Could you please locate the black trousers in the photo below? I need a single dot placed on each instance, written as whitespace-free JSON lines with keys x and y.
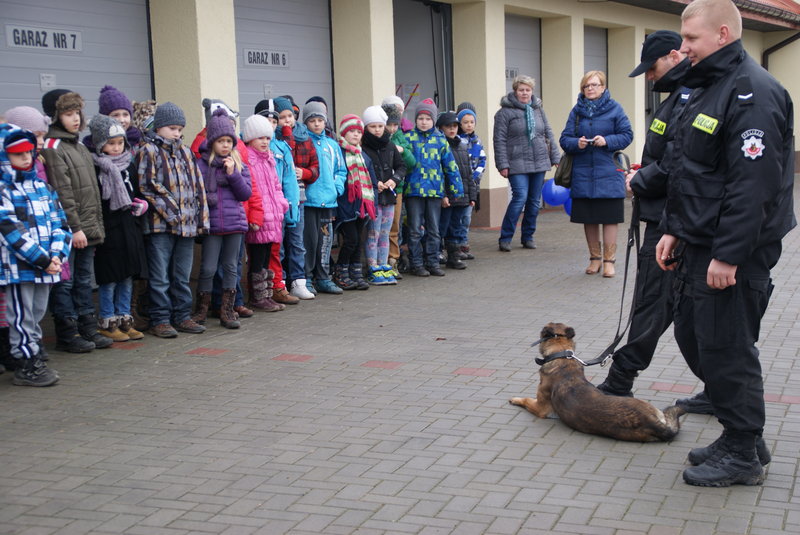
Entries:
{"x":351,"y":231}
{"x":315,"y":219}
{"x":717,"y":330}
{"x":653,"y":313}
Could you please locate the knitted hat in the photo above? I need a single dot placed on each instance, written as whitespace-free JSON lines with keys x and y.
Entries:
{"x":350,"y":122}
{"x":212,"y":104}
{"x":466,"y":111}
{"x":220,"y":125}
{"x":143,"y":113}
{"x":318,"y":99}
{"x":49,"y":101}
{"x":256,"y":126}
{"x":393,"y":114}
{"x":28,"y":118}
{"x":446,"y":118}
{"x":295,"y":107}
{"x":267,"y":109}
{"x":103,"y":129}
{"x":374,"y":114}
{"x":393,"y":100}
{"x":168,"y":114}
{"x":111,"y":99}
{"x":314,"y":108}
{"x":282,"y":104}
{"x":465,"y":106}
{"x":427,"y":106}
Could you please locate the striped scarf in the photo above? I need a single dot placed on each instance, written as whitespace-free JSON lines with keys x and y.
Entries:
{"x":359,"y":183}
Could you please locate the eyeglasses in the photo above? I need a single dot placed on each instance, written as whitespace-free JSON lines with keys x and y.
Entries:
{"x":593,"y":86}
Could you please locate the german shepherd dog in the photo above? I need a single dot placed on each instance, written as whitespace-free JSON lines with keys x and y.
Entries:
{"x":565,"y":392}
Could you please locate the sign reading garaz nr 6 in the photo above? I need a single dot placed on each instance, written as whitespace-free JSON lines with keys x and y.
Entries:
{"x":43,"y":38}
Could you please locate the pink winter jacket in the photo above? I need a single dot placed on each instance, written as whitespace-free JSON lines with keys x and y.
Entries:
{"x":268,"y":216}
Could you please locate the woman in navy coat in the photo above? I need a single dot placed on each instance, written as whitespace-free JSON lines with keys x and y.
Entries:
{"x":596,"y":128}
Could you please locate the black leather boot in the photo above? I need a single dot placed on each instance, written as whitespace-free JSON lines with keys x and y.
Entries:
{"x":87,"y":326}
{"x":618,"y":382}
{"x":733,"y":463}
{"x":453,"y":260}
{"x":701,"y":455}
{"x":68,"y":338}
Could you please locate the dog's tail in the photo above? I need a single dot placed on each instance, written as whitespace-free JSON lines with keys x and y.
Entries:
{"x":672,"y":425}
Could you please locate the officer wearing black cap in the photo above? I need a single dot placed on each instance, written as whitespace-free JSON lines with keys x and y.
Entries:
{"x":729,"y":205}
{"x":664,"y":64}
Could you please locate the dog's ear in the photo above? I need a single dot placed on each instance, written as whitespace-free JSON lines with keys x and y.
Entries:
{"x":547,"y":331}
{"x":569,"y":333}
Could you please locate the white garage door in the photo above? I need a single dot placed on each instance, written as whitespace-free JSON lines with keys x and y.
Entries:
{"x":523,"y":49}
{"x":80,"y":45}
{"x":283,"y":48}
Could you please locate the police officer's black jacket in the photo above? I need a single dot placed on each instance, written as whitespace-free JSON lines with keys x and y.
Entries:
{"x":650,"y":182}
{"x":730,"y":186}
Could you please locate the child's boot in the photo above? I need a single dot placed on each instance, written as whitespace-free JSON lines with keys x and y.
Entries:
{"x":453,"y":260}
{"x":34,"y":372}
{"x":109,"y":327}
{"x":260,"y":291}
{"x":68,"y":338}
{"x":466,"y":254}
{"x":87,"y":326}
{"x":341,"y":276}
{"x":201,"y":307}
{"x":357,"y":275}
{"x":228,"y":317}
{"x":126,"y":325}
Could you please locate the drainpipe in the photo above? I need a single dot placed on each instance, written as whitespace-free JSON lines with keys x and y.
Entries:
{"x":768,"y":52}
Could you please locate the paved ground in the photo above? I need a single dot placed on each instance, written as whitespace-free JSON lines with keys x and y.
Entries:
{"x":385,"y":412}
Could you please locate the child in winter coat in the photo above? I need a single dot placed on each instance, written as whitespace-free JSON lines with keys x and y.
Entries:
{"x":32,"y":120}
{"x":390,"y":171}
{"x":307,"y":171}
{"x":452,"y":224}
{"x":121,"y":256}
{"x":321,"y":198}
{"x":265,"y":210}
{"x":34,"y":242}
{"x":70,"y":170}
{"x":356,"y":204}
{"x":394,"y":107}
{"x":426,"y":189}
{"x":172,"y":185}
{"x":467,"y":119}
{"x":227,"y":184}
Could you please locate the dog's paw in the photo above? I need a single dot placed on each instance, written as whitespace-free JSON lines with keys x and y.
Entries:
{"x":515,"y":401}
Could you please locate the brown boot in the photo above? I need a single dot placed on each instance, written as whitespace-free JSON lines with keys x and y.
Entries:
{"x":282,"y":295}
{"x":201,"y":307}
{"x":594,"y":259}
{"x":261,"y":291}
{"x":609,"y":257}
{"x":126,"y":326}
{"x":109,"y":327}
{"x":228,"y":317}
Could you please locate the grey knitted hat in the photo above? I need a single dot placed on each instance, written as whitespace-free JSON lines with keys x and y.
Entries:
{"x":168,"y":114}
{"x":104,"y":128}
{"x":427,"y":106}
{"x":314,"y":109}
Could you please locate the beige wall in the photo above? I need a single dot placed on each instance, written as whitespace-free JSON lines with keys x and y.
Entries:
{"x":363,"y":53}
{"x":194,"y":55}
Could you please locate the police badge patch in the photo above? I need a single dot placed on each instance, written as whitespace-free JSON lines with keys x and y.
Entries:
{"x":753,"y":147}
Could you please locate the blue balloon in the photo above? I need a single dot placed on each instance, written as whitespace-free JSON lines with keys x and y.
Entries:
{"x":553,"y":194}
{"x":568,"y":206}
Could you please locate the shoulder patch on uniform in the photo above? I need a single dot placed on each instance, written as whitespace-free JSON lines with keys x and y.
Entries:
{"x":705,"y":123}
{"x":753,"y":146}
{"x":52,"y":143}
{"x":658,"y":126}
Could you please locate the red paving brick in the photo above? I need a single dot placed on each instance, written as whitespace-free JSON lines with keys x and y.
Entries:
{"x":293,"y":358}
{"x":477,"y":372}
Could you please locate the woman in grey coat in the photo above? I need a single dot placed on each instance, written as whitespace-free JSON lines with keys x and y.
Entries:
{"x":524,"y":149}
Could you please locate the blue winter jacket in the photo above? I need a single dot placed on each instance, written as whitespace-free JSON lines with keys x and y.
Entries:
{"x":284,"y":163}
{"x":594,"y":173}
{"x":322,"y":193}
{"x":436,"y":168}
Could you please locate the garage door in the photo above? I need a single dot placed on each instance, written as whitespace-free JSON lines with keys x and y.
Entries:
{"x":523,"y":49}
{"x":283,"y":47}
{"x":80,"y":45}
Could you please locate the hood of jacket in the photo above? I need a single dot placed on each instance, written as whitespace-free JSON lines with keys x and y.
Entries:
{"x":510,"y":101}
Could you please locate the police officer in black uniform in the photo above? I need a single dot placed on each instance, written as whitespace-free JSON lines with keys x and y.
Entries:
{"x":665,"y":65}
{"x":729,"y":205}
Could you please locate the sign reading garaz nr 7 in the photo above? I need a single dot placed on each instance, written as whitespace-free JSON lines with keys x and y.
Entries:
{"x":43,"y":38}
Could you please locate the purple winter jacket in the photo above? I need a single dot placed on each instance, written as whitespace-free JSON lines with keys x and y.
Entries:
{"x":225,"y":194}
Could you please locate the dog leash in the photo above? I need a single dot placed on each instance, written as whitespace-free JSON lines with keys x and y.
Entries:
{"x":624,"y":163}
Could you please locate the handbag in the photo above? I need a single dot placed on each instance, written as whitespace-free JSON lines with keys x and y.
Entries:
{"x":563,"y":176}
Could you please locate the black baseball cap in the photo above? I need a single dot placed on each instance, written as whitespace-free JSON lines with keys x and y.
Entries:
{"x":657,"y":44}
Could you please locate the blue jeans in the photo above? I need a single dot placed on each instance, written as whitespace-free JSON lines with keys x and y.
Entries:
{"x":451,"y":224}
{"x":466,"y":221}
{"x":169,"y":258}
{"x":293,"y":252}
{"x":115,"y":298}
{"x":423,"y":211}
{"x":72,"y":298}
{"x":525,"y":192}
